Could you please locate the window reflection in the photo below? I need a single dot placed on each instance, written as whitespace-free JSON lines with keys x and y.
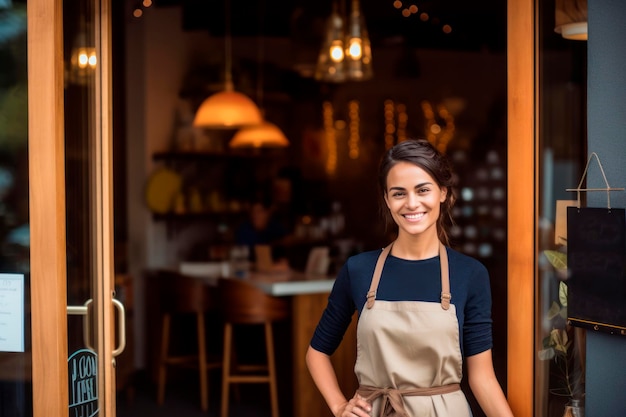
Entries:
{"x":15,"y":387}
{"x":561,"y":115}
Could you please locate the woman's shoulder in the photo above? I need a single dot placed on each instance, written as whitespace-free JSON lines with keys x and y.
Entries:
{"x":464,"y":261}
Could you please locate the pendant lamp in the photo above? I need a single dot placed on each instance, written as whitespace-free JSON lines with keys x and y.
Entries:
{"x":570,"y":19}
{"x":227,"y":109}
{"x":330,"y":61}
{"x":263,"y":134}
{"x":358,"y":59}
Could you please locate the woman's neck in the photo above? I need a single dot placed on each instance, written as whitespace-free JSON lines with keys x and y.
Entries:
{"x":415,"y":247}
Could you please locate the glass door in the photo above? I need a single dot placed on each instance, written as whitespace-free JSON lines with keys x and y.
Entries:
{"x":96,"y":333}
{"x":57,"y":301}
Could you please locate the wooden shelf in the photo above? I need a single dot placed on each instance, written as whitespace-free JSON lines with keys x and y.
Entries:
{"x":189,"y":156}
{"x":205,"y":215}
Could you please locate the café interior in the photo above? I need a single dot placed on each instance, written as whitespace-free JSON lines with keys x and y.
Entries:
{"x":189,"y":180}
{"x":323,"y":183}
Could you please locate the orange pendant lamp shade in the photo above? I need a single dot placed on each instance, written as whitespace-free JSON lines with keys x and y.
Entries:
{"x":263,"y":135}
{"x":227,"y":109}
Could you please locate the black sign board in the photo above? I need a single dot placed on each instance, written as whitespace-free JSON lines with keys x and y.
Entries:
{"x":596,"y":261}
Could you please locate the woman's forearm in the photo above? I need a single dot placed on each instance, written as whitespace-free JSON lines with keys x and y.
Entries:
{"x":325,"y":379}
{"x":485,"y":386}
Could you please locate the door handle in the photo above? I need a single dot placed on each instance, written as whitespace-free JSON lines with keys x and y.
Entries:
{"x":121,"y":327}
{"x":82,"y":311}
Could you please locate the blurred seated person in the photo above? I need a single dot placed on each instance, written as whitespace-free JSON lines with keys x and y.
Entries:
{"x":263,"y":228}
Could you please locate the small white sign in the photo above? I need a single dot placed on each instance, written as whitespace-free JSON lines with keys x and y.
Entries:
{"x":11,"y":312}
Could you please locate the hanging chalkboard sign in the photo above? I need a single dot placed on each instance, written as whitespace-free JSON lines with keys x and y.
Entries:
{"x":596,"y":260}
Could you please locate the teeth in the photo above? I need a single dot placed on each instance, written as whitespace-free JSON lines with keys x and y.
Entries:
{"x":414,"y":216}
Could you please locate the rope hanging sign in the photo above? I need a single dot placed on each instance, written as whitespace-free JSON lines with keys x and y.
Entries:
{"x":608,"y":188}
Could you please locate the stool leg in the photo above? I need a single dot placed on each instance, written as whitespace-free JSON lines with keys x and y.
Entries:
{"x":202,"y":362}
{"x":228,"y":334}
{"x":271,"y":367}
{"x":165,"y":339}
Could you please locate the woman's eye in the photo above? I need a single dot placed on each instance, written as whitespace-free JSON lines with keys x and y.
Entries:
{"x":398,"y":194}
{"x":423,"y":190}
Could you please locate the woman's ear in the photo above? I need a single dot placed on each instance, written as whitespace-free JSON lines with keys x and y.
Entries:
{"x":386,"y":199}
{"x":444,"y":194}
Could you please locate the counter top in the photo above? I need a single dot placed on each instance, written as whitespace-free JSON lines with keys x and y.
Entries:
{"x":291,"y":283}
{"x":280,"y":283}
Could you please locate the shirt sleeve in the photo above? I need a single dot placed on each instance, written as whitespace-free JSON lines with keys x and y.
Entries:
{"x":336,"y":316}
{"x":477,"y":328}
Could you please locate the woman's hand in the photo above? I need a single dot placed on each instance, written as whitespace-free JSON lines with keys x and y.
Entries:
{"x":357,"y":406}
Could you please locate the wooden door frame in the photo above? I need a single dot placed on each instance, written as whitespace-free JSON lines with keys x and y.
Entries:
{"x":47,"y":210}
{"x":522,"y":202}
{"x":47,"y":207}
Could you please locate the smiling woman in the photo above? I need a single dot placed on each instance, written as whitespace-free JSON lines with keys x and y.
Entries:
{"x":417,"y":322}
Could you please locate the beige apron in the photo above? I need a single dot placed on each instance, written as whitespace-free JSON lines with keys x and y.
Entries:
{"x":408,"y":356}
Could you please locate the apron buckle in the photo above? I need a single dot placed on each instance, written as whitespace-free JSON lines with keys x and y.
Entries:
{"x":445,"y":300}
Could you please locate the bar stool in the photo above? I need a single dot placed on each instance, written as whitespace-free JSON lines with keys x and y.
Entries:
{"x":244,"y":304}
{"x":183,"y":296}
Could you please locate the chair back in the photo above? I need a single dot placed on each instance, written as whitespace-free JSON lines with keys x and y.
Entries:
{"x":242,"y":302}
{"x":180,"y":293}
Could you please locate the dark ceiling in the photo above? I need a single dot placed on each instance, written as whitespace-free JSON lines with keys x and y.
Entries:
{"x":475,"y":25}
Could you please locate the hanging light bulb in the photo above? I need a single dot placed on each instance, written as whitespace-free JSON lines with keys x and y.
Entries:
{"x":358,"y":49}
{"x":83,"y":58}
{"x":330,"y":63}
{"x":227,"y":109}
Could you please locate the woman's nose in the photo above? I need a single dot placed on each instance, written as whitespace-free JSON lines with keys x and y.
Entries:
{"x":412,"y":201}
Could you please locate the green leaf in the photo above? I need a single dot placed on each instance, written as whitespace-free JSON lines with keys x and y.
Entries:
{"x":557,"y":259}
{"x":555,"y":309}
{"x":563,"y":293}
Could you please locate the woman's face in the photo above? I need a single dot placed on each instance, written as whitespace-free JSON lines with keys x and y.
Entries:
{"x":413,"y":198}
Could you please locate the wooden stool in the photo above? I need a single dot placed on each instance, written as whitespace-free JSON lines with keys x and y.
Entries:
{"x":243,"y":303}
{"x":181,"y":296}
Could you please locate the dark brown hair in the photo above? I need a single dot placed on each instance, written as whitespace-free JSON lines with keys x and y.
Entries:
{"x":423,"y":154}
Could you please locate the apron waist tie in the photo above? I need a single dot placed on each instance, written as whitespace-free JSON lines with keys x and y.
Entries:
{"x":393,"y":405}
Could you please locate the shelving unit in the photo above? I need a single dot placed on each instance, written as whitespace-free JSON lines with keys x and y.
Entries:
{"x":223,"y":184}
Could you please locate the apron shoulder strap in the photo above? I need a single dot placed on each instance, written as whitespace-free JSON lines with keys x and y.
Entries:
{"x":445,"y":277}
{"x":371,"y":294}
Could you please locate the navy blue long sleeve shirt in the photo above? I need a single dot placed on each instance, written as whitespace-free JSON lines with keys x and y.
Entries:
{"x":410,"y":280}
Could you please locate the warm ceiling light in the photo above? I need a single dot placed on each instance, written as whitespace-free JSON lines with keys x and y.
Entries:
{"x":227,"y":109}
{"x":263,"y":135}
{"x":358,"y":49}
{"x":83,"y":59}
{"x":331,"y":58}
{"x":345,"y":57}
